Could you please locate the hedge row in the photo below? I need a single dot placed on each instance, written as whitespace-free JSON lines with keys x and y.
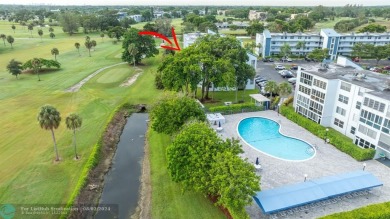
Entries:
{"x":236,"y":108}
{"x":376,"y":211}
{"x":340,"y":141}
{"x":93,"y":160}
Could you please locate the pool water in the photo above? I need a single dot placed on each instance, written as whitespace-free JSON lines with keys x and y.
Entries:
{"x":263,"y":134}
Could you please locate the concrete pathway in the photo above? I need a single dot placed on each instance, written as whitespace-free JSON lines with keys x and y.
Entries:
{"x":327,"y":161}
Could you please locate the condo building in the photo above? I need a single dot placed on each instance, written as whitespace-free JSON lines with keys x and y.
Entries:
{"x":336,"y":43}
{"x":354,"y":102}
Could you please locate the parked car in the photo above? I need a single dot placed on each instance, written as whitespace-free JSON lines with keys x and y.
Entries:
{"x":386,"y":67}
{"x":307,"y":59}
{"x":292,"y":80}
{"x":287,"y":74}
{"x":289,"y":60}
{"x":373,"y":68}
{"x":284,"y":59}
{"x":263,"y":83}
{"x":279,"y":67}
{"x":260,"y":80}
{"x":270,"y":60}
{"x":265,"y":59}
{"x":294,"y":67}
{"x":356,"y":59}
{"x":282,"y":71}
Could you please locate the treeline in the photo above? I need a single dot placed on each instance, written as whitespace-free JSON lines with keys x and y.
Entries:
{"x":348,"y":25}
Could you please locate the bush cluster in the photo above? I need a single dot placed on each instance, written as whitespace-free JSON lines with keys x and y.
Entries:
{"x":340,"y":141}
{"x":236,"y":108}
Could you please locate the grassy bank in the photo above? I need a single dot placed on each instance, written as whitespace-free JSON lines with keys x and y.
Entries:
{"x":168,"y":201}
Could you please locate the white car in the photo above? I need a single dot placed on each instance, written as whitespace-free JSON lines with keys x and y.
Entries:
{"x":289,"y":60}
{"x":292,"y":80}
{"x":279,"y":67}
{"x":282,"y":71}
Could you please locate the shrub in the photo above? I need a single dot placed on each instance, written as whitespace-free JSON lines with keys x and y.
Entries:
{"x":236,"y":108}
{"x":340,"y":141}
{"x":288,"y":101}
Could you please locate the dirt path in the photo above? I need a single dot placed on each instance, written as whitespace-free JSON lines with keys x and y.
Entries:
{"x":77,"y":86}
{"x":133,"y":78}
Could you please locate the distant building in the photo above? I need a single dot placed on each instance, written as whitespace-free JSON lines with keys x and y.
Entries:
{"x":239,"y":24}
{"x":190,"y":38}
{"x":336,"y":43}
{"x":293,"y":16}
{"x":352,"y":101}
{"x":121,"y":15}
{"x":136,"y":17}
{"x":257,"y":15}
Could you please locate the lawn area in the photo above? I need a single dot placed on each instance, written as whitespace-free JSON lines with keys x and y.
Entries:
{"x":176,"y":23}
{"x":28,"y":174}
{"x":327,"y":24}
{"x":378,"y":20}
{"x":168,"y":201}
{"x":232,"y":32}
{"x":219,"y":97}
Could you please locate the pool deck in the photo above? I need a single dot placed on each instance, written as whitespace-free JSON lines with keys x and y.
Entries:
{"x":327,"y":161}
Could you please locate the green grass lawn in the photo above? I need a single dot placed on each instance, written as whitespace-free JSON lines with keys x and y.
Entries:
{"x":168,"y":201}
{"x":176,"y":23}
{"x":28,"y":173}
{"x":327,"y":24}
{"x":219,"y":97}
{"x":378,"y":20}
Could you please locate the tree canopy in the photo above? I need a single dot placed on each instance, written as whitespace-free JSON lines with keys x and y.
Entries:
{"x":69,"y":22}
{"x":42,"y":63}
{"x":145,"y":46}
{"x":170,"y":113}
{"x":14,"y":67}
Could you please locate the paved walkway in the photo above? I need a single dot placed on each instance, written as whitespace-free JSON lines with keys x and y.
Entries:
{"x":327,"y":161}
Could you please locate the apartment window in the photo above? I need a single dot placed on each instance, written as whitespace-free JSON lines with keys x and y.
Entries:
{"x":338,"y":123}
{"x":303,"y":101}
{"x":304,"y":89}
{"x":363,"y":143}
{"x":319,"y":83}
{"x":306,"y":78}
{"x":373,"y":104}
{"x":340,"y":111}
{"x":273,"y":42}
{"x":343,"y":99}
{"x":291,"y":37}
{"x":379,"y":38}
{"x":353,"y":130}
{"x":386,"y":126}
{"x":361,"y":37}
{"x":370,"y":119}
{"x":358,"y":105}
{"x":367,"y":131}
{"x":345,"y":86}
{"x":316,"y":107}
{"x":317,"y":95}
{"x":309,"y":37}
{"x":369,"y":37}
{"x":299,"y":38}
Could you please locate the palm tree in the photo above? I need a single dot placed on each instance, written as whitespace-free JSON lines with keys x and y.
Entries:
{"x":51,"y":30}
{"x":271,"y":87}
{"x":36,"y":64}
{"x":73,"y":122}
{"x":285,"y":50}
{"x":77,"y":45}
{"x":10,"y":40}
{"x":40,"y":33}
{"x":49,"y":119}
{"x":52,"y":35}
{"x":133,"y":51}
{"x":13,"y":27}
{"x":4,"y":37}
{"x":30,"y":28}
{"x":55,"y":52}
{"x":88,"y":44}
{"x":301,"y":45}
{"x":93,"y":44}
{"x":284,"y":89}
{"x":102,"y":36}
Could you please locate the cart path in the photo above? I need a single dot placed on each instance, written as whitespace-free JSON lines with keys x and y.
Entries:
{"x":77,"y":86}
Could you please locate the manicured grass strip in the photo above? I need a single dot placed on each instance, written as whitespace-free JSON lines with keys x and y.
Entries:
{"x":340,"y":141}
{"x":168,"y":201}
{"x":219,"y":97}
{"x":377,"y":211}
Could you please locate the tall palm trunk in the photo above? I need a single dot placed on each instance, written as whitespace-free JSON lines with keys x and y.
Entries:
{"x":89,"y":51}
{"x":79,"y":52}
{"x":39,"y":78}
{"x":134,"y":61}
{"x":74,"y":143}
{"x":55,"y":144}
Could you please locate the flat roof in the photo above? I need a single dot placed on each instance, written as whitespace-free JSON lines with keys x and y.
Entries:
{"x":259,"y":97}
{"x":377,"y":82}
{"x":290,"y":196}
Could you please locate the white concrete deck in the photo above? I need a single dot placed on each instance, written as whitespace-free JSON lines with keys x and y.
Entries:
{"x":327,"y":161}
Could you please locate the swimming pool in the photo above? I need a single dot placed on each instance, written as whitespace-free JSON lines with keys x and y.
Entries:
{"x":263,"y":134}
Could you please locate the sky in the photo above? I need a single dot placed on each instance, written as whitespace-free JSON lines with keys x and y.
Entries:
{"x":203,"y":2}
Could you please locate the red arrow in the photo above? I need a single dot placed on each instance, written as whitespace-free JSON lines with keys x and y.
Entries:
{"x":159,"y":35}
